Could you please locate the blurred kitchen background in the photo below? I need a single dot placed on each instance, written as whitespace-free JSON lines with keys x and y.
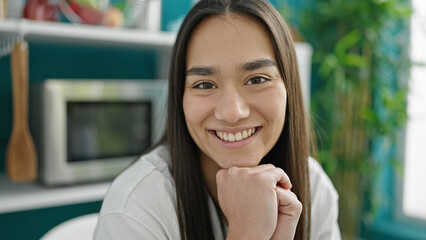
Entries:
{"x":363,"y":64}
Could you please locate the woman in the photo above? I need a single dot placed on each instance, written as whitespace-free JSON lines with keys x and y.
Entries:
{"x":234,"y":162}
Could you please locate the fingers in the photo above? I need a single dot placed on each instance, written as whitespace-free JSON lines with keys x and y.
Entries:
{"x":278,"y":175}
{"x":288,"y":204}
{"x":289,"y":210}
{"x":248,"y":199}
{"x":281,"y":177}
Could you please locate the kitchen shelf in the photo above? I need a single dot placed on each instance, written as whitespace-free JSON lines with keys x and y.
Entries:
{"x":161,"y":42}
{"x":85,"y":34}
{"x":11,"y":30}
{"x":27,"y":196}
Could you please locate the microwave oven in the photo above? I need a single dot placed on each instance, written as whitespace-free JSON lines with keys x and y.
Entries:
{"x":90,"y":130}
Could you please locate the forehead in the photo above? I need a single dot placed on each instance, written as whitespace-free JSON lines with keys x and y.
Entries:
{"x":232,"y":37}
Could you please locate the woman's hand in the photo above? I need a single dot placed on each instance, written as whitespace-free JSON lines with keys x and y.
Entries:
{"x":251,"y":203}
{"x":289,"y":210}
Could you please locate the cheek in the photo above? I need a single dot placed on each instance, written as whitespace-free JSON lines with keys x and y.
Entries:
{"x":196,"y":109}
{"x":188,"y":110}
{"x":272,"y":106}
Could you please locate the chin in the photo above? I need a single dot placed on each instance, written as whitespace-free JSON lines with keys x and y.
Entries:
{"x":247,"y":161}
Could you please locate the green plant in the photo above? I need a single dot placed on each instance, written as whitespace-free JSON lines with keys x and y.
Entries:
{"x":358,"y":97}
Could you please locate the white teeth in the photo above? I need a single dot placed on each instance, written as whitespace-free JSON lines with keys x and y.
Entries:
{"x":231,"y":137}
{"x":225,"y":137}
{"x":238,"y":136}
{"x":251,"y":131}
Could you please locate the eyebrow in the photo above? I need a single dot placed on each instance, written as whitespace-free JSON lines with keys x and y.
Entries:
{"x":202,"y":71}
{"x":258,"y":63}
{"x":249,"y":66}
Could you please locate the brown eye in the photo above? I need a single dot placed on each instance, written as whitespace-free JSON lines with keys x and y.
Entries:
{"x":205,"y":85}
{"x":257,"y":80}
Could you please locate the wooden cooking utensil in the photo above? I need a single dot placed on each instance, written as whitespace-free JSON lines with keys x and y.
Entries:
{"x":21,"y":156}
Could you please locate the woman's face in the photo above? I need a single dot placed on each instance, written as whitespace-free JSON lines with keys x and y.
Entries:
{"x":234,"y":99}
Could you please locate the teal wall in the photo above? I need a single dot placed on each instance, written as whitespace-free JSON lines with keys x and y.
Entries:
{"x":33,"y":224}
{"x":61,"y":61}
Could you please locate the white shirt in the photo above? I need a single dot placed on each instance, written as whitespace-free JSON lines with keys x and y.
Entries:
{"x":141,"y":203}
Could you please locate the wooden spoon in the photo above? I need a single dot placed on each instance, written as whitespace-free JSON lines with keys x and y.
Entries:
{"x":21,"y":156}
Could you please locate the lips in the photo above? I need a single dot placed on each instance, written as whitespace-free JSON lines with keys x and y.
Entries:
{"x":235,"y":136}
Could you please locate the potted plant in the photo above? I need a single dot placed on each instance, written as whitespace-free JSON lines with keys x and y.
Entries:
{"x":358,"y":93}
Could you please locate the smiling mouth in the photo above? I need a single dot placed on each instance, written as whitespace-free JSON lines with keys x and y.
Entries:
{"x":237,"y":136}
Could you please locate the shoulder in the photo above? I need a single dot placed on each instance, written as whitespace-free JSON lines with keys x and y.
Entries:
{"x":324,"y":204}
{"x":145,"y":177}
{"x":134,"y":196}
{"x":319,"y":181}
{"x":143,"y":181}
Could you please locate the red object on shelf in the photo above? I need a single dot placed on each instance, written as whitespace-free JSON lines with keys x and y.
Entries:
{"x":90,"y":16}
{"x":40,"y":10}
{"x":74,"y":6}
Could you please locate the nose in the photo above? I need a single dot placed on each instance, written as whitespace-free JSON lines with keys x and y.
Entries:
{"x":231,"y":106}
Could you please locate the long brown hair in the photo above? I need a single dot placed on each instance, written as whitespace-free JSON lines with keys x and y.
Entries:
{"x":289,"y":153}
